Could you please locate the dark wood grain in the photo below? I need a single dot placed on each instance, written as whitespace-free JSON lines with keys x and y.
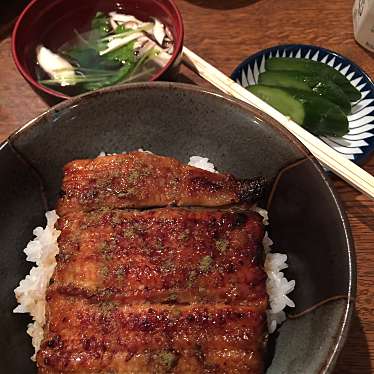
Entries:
{"x":224,"y":32}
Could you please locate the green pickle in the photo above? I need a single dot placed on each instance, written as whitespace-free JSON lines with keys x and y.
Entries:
{"x":307,"y":82}
{"x":307,"y":66}
{"x":314,"y":113}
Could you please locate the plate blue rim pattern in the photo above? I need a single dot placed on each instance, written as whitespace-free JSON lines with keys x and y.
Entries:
{"x":358,"y":144}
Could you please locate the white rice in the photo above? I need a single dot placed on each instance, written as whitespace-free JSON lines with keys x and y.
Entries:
{"x":202,"y":163}
{"x":43,"y":249}
{"x":277,"y":285}
{"x":30,"y":293}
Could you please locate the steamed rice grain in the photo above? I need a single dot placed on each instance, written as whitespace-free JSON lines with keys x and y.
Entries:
{"x":30,"y":293}
{"x":202,"y":163}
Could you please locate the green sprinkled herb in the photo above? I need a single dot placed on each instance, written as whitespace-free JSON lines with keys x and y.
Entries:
{"x":174,"y":183}
{"x":105,"y":292}
{"x":222,"y":245}
{"x":159,"y":245}
{"x":109,"y":257}
{"x":168,"y":359}
{"x":133,"y":176}
{"x":176,"y":313}
{"x":205,"y":264}
{"x":131,"y":191}
{"x":184,"y":235}
{"x":172,"y":297}
{"x":127,"y":193}
{"x":106,"y":251}
{"x":108,"y":306}
{"x":139,"y":228}
{"x":129,"y":232}
{"x":168,"y":266}
{"x":104,"y":247}
{"x":120,"y":272}
{"x":104,"y":271}
{"x":116,"y":219}
{"x":191,"y":278}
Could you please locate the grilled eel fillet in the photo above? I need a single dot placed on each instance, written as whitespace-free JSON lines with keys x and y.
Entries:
{"x":171,"y":290}
{"x":143,"y":180}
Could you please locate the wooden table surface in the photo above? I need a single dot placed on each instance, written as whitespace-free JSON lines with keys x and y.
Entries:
{"x":224,"y":32}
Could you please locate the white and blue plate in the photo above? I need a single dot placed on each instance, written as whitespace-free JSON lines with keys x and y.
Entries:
{"x":358,"y":144}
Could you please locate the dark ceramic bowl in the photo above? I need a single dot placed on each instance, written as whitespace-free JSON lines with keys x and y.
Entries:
{"x":52,"y":23}
{"x":307,"y":220}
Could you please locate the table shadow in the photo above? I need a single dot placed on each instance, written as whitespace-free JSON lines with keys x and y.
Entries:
{"x":363,"y":214}
{"x":181,"y":78}
{"x":360,"y":210}
{"x":222,"y":4}
{"x":369,"y":53}
{"x":355,"y":356}
{"x":9,"y":10}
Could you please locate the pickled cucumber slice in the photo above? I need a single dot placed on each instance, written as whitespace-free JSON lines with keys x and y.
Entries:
{"x":307,"y":82}
{"x":317,"y":115}
{"x":304,"y":65}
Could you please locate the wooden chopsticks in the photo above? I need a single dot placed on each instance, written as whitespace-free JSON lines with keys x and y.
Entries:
{"x":341,"y":166}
